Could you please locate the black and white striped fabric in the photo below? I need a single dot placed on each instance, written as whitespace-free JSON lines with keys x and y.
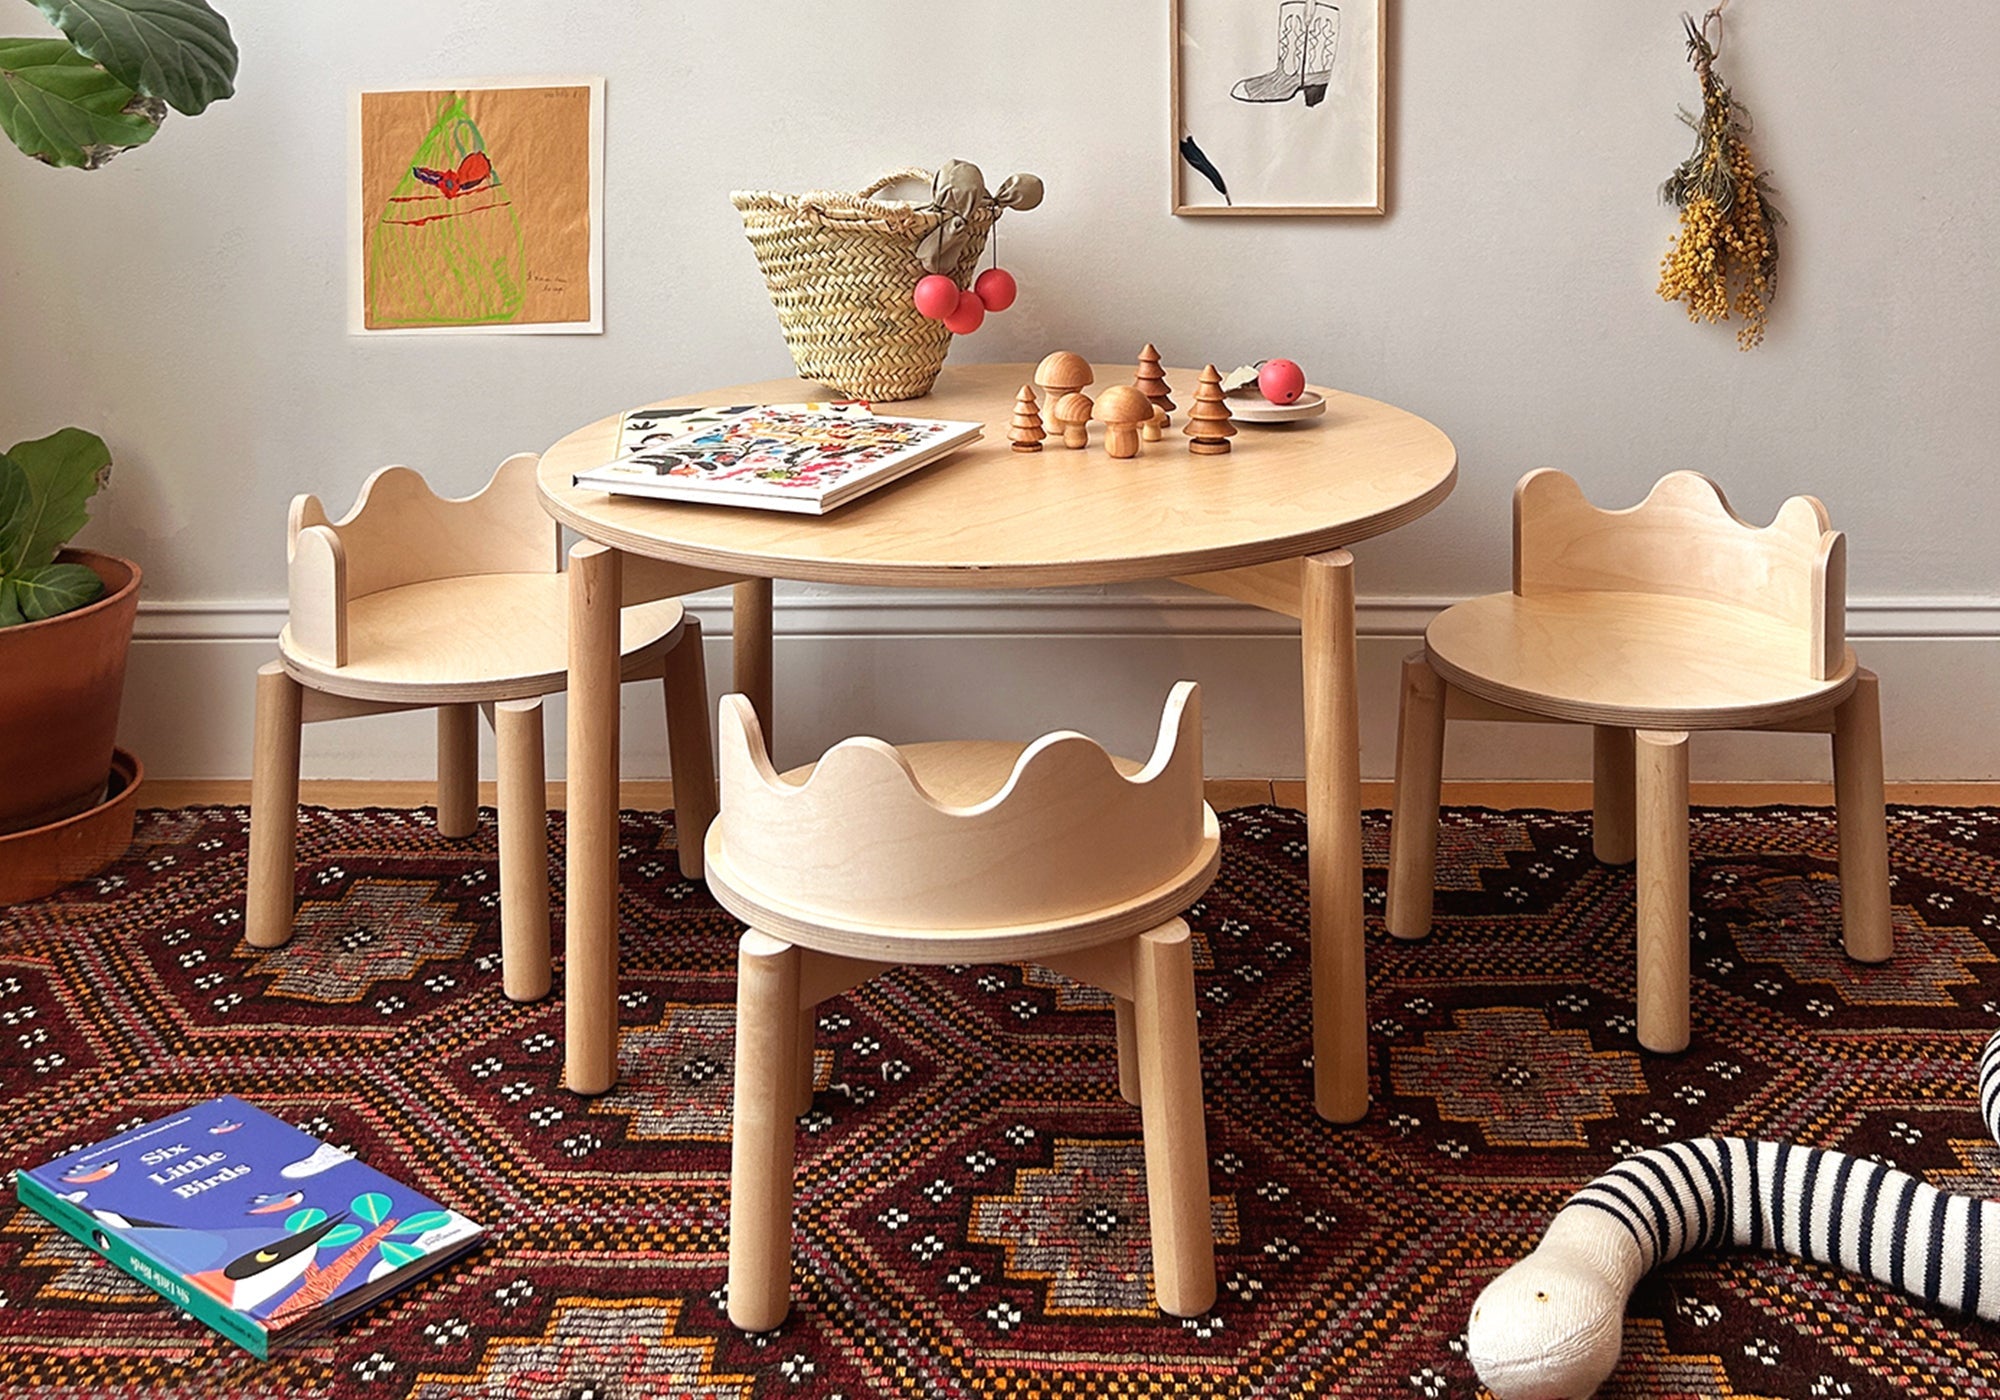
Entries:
{"x":1804,"y":1201}
{"x":1551,"y":1327}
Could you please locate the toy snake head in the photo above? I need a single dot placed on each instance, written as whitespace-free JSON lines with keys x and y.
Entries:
{"x":1552,"y":1327}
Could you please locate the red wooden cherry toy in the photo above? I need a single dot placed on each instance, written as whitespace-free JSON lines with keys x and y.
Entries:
{"x":1281,"y":381}
{"x":996,"y":289}
{"x":966,"y":316}
{"x":936,"y":296}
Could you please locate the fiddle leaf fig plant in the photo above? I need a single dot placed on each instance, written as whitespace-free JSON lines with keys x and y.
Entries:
{"x":45,"y":490}
{"x":106,"y":85}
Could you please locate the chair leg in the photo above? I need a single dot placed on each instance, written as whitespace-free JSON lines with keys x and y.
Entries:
{"x":808,"y":1033}
{"x":1413,"y":829}
{"x":1662,"y":791}
{"x":274,"y":810}
{"x":458,"y":770}
{"x":690,"y":749}
{"x":1864,"y":832}
{"x":1612,"y":795}
{"x":1129,"y":1087}
{"x":524,"y":850}
{"x":761,"y":1157}
{"x":1171,"y":1110}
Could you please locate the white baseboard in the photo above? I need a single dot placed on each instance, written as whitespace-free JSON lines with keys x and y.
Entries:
{"x":925,"y":665}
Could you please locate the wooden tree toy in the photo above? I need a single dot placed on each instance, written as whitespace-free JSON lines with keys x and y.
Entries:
{"x":1209,"y":427}
{"x":1026,"y":432}
{"x":1072,"y":415}
{"x":1122,"y":409}
{"x":1152,"y":382}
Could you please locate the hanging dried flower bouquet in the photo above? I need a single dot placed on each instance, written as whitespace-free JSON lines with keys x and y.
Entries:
{"x":1725,"y":256}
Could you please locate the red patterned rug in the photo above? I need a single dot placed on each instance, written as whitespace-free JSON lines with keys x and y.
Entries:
{"x":971,"y":1216}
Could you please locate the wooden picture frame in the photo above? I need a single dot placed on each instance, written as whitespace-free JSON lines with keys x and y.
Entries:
{"x":1330,"y":135}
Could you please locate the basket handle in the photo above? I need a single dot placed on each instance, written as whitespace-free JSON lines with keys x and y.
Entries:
{"x":882,"y":182}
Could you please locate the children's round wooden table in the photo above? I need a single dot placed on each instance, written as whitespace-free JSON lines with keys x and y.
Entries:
{"x":1265,"y":523}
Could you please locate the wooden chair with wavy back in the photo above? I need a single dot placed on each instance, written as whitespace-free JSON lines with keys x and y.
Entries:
{"x":415,"y":601}
{"x":879,"y":857}
{"x":1648,"y":623}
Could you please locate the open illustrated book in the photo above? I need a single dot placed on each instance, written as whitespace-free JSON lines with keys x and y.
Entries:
{"x":806,"y":458}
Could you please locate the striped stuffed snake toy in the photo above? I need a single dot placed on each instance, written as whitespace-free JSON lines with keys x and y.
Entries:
{"x":1552,"y":1327}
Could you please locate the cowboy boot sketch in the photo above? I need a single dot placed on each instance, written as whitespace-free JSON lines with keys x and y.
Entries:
{"x":1322,"y":43}
{"x":1286,"y":80}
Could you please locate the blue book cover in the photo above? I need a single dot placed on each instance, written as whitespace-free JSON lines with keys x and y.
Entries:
{"x":255,"y":1227}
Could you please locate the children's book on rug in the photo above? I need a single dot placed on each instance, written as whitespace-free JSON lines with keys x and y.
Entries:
{"x":253,"y":1226}
{"x":806,"y":458}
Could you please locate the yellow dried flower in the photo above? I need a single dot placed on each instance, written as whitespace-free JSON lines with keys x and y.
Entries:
{"x":1725,"y":256}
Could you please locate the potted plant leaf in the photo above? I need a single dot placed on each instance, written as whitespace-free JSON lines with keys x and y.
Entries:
{"x":66,"y":614}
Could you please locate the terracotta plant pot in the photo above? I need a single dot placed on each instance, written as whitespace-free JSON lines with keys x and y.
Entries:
{"x":60,"y":684}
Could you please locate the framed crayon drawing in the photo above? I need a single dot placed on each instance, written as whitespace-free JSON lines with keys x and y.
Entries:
{"x":477,"y":207}
{"x":1280,"y":106}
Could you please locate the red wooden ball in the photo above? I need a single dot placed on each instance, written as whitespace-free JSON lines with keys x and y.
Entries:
{"x":936,"y":296}
{"x":996,"y":289}
{"x":1281,"y":381}
{"x":966,"y":316}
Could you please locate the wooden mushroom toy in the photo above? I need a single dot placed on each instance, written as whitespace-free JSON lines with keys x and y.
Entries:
{"x":1061,"y":372}
{"x":1122,"y":409}
{"x":1072,"y":418}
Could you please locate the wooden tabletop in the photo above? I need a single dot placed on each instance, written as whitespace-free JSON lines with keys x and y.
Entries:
{"x":988,"y":517}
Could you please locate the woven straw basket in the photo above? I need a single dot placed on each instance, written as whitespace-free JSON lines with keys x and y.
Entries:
{"x":841,"y":268}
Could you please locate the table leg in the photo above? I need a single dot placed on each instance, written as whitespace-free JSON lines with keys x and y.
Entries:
{"x":1333,"y":839}
{"x":590,"y":979}
{"x":750,"y":628}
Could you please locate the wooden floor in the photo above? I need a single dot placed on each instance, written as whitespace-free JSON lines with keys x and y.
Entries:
{"x":1223,"y":794}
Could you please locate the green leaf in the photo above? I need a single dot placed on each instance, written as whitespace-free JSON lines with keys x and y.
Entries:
{"x":300,"y":1221}
{"x":61,"y":108}
{"x":371,"y":1206}
{"x":178,"y":50}
{"x":10,"y":607}
{"x":339,"y":1237}
{"x":15,"y":500}
{"x":63,"y":471}
{"x":54,"y":589}
{"x":422,"y":1221}
{"x":397,"y":1255}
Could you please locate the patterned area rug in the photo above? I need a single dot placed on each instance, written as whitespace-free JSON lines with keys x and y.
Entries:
{"x":971,"y":1217}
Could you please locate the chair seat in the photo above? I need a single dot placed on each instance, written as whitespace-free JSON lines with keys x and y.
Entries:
{"x":959,"y":774}
{"x":485,"y":637}
{"x":1631,"y":660}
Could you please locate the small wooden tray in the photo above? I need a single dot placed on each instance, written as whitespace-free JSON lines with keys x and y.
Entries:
{"x":42,"y":859}
{"x":1249,"y":406}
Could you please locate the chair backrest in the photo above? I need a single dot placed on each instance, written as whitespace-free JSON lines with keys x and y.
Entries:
{"x":402,"y":532}
{"x":1684,"y":541}
{"x":861,"y":841}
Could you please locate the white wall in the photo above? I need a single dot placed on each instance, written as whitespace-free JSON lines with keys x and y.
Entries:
{"x":188,"y":303}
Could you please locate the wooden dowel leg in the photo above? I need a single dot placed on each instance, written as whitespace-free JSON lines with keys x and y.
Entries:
{"x":1662,"y":789}
{"x":524,"y":850}
{"x":761,"y":1152}
{"x":690,"y":749}
{"x":1867,"y":925}
{"x":1128,"y":1051}
{"x":1612,"y":795}
{"x":808,"y":1032}
{"x":1333,"y":839}
{"x":274,"y":810}
{"x":458,"y":770}
{"x":1171,"y":1109}
{"x":1413,"y":829}
{"x":750,"y":628}
{"x":590,"y":977}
